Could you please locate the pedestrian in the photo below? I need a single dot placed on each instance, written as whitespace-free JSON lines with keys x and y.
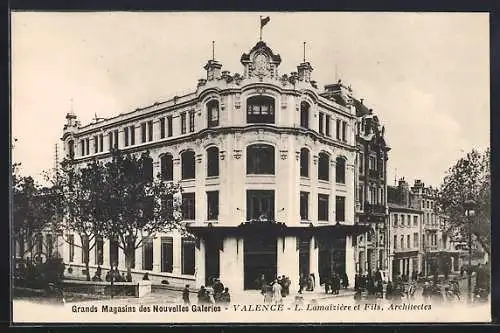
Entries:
{"x":301,"y":283}
{"x":388,"y":291}
{"x":337,"y":283}
{"x":356,"y":282}
{"x":185,"y":294}
{"x":218,"y":289}
{"x":263,"y":284}
{"x":201,"y":294}
{"x":225,"y":298}
{"x":327,"y":280}
{"x":345,"y":280}
{"x":277,"y":299}
{"x":286,"y":285}
{"x":206,"y":298}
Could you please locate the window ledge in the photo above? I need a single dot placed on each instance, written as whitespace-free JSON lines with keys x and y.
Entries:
{"x":212,"y":221}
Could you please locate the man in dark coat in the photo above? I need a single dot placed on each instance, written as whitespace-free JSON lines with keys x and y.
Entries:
{"x":185,"y":294}
{"x":218,"y":289}
{"x":201,"y":295}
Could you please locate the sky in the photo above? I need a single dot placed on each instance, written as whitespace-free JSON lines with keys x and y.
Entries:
{"x":426,"y":75}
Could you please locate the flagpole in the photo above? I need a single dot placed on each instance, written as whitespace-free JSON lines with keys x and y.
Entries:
{"x":260,"y":24}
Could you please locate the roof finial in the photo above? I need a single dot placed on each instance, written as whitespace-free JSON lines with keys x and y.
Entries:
{"x":213,"y":50}
{"x":304,"y":58}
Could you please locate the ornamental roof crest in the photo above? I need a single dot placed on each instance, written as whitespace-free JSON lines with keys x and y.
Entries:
{"x":261,"y":61}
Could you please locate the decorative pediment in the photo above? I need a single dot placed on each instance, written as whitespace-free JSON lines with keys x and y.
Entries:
{"x":261,"y":61}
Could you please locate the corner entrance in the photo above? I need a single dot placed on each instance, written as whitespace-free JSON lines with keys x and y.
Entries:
{"x":260,"y":258}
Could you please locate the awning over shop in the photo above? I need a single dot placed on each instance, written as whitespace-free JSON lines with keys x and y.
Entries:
{"x":278,"y":229}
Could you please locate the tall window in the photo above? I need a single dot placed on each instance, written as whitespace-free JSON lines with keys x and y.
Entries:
{"x":82,"y":148}
{"x":115,"y":140}
{"x":361,"y":163}
{"x":212,"y":162}
{"x":415,"y":220}
{"x":344,"y":131}
{"x":132,"y":135}
{"x":167,"y":254}
{"x":395,"y":220}
{"x":87,"y":146}
{"x":415,"y":239}
{"x":340,"y":209}
{"x":191,"y":121}
{"x":304,"y":115}
{"x":162,"y":128}
{"x":260,"y":109}
{"x":71,"y":149}
{"x":395,"y":242}
{"x":213,"y":113}
{"x":167,"y":167}
{"x":260,"y":159}
{"x":188,"y":206}
{"x":402,"y":220}
{"x":340,"y":170}
{"x":327,"y":126}
{"x":321,"y":121}
{"x":150,"y":130}
{"x":96,"y":144}
{"x":322,"y":207}
{"x":113,"y":252}
{"x":143,"y":132}
{"x":99,"y":252}
{"x":212,"y":205}
{"x":183,"y":123}
{"x":101,"y":142}
{"x":260,"y":205}
{"x":304,"y":206}
{"x":408,"y":245}
{"x":338,"y":129}
{"x":323,"y":167}
{"x":170,"y":131}
{"x":85,"y":248}
{"x":304,"y":162}
{"x":147,"y":254}
{"x":188,"y":256}
{"x":188,"y":165}
{"x":71,"y":242}
{"x":125,"y":136}
{"x":402,"y":242}
{"x":147,"y":167}
{"x":110,"y":140}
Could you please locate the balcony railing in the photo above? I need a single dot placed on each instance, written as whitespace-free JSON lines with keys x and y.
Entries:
{"x":374,"y":208}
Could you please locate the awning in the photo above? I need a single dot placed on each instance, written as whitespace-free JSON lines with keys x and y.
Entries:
{"x":279,"y":230}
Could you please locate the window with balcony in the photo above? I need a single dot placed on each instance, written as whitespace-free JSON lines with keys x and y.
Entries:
{"x":167,"y":167}
{"x":304,"y":206}
{"x":188,"y":206}
{"x":340,"y":170}
{"x":361,"y":163}
{"x":212,"y":162}
{"x":260,"y":159}
{"x":260,"y":205}
{"x":323,"y":166}
{"x":213,"y":113}
{"x":212,"y":205}
{"x":402,"y":220}
{"x":169,"y":126}
{"x":260,"y":110}
{"x":339,"y":209}
{"x":304,"y":162}
{"x":187,"y":165}
{"x":304,"y":114}
{"x":323,"y":207}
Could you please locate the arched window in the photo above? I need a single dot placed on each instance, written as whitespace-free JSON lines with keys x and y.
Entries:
{"x":260,"y":159}
{"x":188,"y":165}
{"x":147,"y":166}
{"x":304,"y":114}
{"x":213,"y":113}
{"x":260,"y":110}
{"x":212,"y":162}
{"x":167,"y":167}
{"x":304,"y":162}
{"x":340,"y":170}
{"x":323,"y":167}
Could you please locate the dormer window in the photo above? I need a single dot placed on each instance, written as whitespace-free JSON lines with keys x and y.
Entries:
{"x":213,"y":113}
{"x":260,"y":110}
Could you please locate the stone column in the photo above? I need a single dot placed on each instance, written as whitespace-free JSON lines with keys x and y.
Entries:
{"x":401,"y":267}
{"x":288,"y":260}
{"x":350,"y":261}
{"x":156,"y":254}
{"x":177,"y":255}
{"x":231,"y":264}
{"x":200,"y":264}
{"x":410,"y":267}
{"x":313,"y":259}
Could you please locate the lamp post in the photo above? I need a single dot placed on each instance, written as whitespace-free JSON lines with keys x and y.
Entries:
{"x":469,"y":206}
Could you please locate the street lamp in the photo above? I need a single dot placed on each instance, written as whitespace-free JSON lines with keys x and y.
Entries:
{"x":469,"y":206}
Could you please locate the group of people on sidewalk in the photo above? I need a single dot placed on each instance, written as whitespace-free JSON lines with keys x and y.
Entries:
{"x":335,"y":282}
{"x":275,"y":291}
{"x":220,"y":294}
{"x":372,"y":283}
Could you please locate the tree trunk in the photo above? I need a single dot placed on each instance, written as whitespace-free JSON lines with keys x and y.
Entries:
{"x":129,"y":252}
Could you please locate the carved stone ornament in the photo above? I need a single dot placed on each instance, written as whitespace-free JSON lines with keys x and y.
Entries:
{"x":237,"y":154}
{"x":283,"y":154}
{"x":315,"y":159}
{"x":297,"y":155}
{"x":198,"y":158}
{"x":222,"y":155}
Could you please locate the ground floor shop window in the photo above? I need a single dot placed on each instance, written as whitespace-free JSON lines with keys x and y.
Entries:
{"x":147,"y":254}
{"x":188,"y":256}
{"x":167,"y":254}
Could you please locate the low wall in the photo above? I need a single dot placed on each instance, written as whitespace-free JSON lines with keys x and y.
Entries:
{"x":78,"y":272}
{"x":134,"y":289}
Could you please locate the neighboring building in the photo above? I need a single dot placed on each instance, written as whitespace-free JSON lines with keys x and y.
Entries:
{"x":406,"y":232}
{"x":267,"y":166}
{"x":371,"y":191}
